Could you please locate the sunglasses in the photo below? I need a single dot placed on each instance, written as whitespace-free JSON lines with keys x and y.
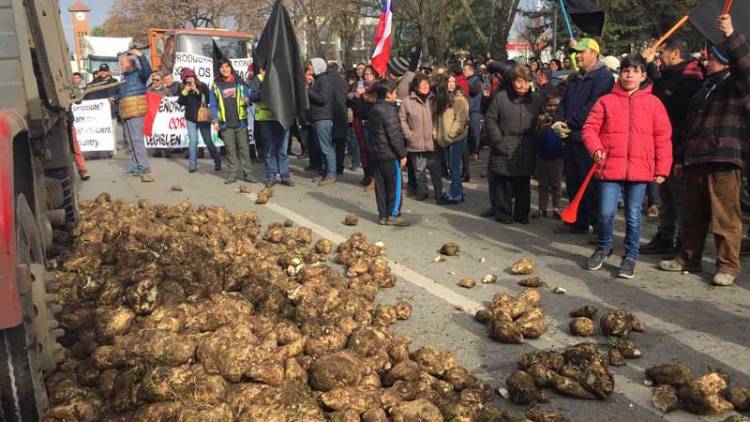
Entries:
{"x":156,"y":80}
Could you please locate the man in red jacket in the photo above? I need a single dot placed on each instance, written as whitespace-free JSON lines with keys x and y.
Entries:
{"x":711,"y":159}
{"x":628,"y":135}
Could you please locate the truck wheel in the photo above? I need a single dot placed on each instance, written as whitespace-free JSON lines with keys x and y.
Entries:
{"x":28,"y":349}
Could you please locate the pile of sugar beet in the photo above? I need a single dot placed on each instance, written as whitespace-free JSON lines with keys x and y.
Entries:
{"x":192,"y":313}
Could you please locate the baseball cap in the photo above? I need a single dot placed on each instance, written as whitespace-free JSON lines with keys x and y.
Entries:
{"x":721,"y":53}
{"x":104,"y":67}
{"x":585,"y":43}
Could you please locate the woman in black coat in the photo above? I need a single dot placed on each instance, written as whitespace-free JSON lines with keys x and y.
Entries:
{"x":194,"y":95}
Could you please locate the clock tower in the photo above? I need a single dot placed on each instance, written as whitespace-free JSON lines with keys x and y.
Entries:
{"x":79,"y":12}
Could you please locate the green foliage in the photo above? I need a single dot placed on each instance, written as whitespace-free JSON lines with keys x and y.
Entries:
{"x":463,"y":35}
{"x":632,"y":25}
{"x":98,"y":31}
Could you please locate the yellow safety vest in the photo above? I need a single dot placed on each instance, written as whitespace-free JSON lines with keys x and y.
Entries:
{"x":241,"y":110}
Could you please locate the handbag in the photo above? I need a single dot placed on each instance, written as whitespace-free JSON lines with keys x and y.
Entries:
{"x":204,"y":113}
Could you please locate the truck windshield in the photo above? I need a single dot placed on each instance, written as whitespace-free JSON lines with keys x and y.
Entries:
{"x":231,"y":48}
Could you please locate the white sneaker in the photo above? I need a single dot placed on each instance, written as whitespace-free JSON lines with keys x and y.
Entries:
{"x":723,"y":279}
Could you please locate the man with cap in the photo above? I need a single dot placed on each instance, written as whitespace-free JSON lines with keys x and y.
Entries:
{"x":104,"y":77}
{"x":398,"y":71}
{"x":712,"y":157}
{"x":322,"y":112}
{"x":584,"y":88}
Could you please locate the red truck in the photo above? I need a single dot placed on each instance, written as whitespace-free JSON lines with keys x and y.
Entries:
{"x":37,"y":192}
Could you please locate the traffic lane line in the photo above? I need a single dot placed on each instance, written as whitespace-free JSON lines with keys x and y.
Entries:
{"x":634,"y":391}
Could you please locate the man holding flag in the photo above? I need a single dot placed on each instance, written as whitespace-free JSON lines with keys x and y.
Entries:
{"x":283,"y":92}
{"x":712,"y":158}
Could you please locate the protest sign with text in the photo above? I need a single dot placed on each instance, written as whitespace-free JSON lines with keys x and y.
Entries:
{"x":169,"y":129}
{"x":93,"y":125}
{"x":202,"y":66}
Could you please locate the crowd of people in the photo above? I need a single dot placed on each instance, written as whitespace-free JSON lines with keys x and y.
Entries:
{"x":650,"y":126}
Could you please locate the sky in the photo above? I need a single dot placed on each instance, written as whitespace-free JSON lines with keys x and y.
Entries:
{"x":99,"y":10}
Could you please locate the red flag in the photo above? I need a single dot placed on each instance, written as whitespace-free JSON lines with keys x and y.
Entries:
{"x":382,"y":40}
{"x":153,"y":101}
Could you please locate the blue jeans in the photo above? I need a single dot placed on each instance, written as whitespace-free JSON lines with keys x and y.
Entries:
{"x":205,"y":131}
{"x":353,"y":147}
{"x":609,"y":195}
{"x":324,"y":135}
{"x":456,"y":162}
{"x":276,"y":149}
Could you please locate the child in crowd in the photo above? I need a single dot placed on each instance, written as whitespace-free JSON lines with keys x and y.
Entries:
{"x":387,"y":151}
{"x":628,"y":135}
{"x":549,"y":163}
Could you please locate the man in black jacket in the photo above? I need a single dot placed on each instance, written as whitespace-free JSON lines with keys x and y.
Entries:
{"x":584,"y":88}
{"x":103,"y":77}
{"x":387,"y":151}
{"x":340,"y":118}
{"x":322,"y":100}
{"x":675,"y":84}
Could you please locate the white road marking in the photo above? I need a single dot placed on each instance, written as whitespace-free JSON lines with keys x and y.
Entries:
{"x":634,"y":391}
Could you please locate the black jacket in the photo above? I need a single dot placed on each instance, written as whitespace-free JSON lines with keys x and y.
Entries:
{"x":340,"y":120}
{"x":512,"y":127}
{"x":322,"y":96}
{"x":360,"y":107}
{"x":580,"y":96}
{"x":103,"y":94}
{"x":386,"y":141}
{"x":675,"y":86}
{"x":192,"y":101}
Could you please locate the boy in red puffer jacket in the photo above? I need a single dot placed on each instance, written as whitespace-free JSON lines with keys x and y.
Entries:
{"x":628,"y":135}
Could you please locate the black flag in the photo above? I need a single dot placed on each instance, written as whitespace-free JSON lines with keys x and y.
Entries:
{"x":217,"y":56}
{"x":703,"y":17}
{"x":586,"y":15}
{"x":277,"y":52}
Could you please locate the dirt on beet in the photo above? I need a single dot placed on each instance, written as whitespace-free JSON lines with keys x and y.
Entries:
{"x":195,"y":313}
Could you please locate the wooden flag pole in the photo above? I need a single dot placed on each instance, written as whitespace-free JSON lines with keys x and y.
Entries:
{"x":669,"y":33}
{"x":727,"y":6}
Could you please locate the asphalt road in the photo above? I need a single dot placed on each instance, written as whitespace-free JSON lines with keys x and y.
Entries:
{"x":686,"y":318}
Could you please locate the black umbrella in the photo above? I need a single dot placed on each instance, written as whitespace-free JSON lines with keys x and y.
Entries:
{"x":586,"y":15}
{"x":277,"y":52}
{"x":703,"y":17}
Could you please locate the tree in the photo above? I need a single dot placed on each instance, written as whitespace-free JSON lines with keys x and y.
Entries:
{"x":535,"y":30}
{"x":133,"y":18}
{"x":505,"y":11}
{"x":98,"y":31}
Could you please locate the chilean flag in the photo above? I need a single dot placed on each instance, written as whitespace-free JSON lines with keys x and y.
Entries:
{"x":382,"y":40}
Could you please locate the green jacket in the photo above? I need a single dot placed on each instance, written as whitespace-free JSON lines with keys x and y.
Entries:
{"x":262,"y":112}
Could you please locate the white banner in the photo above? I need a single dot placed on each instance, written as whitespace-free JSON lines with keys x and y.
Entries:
{"x":93,"y":125}
{"x":202,"y":66}
{"x":240,"y":67}
{"x":170,"y":128}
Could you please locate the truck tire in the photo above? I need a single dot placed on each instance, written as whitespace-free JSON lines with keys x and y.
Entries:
{"x":20,"y":400}
{"x":24,"y":352}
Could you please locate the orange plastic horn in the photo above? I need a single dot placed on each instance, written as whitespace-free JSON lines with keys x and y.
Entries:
{"x":570,"y":214}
